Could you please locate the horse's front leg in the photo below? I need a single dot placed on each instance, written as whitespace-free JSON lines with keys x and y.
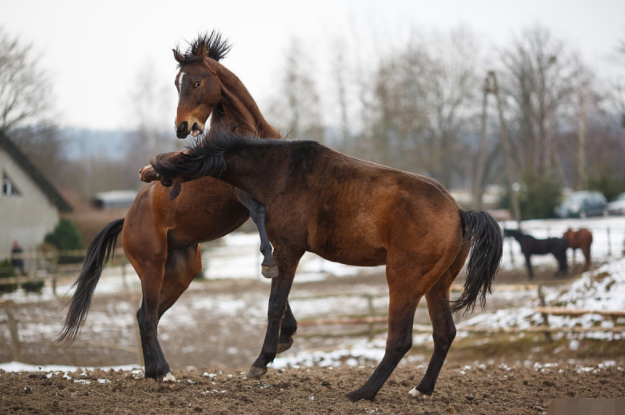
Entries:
{"x":269,"y":268}
{"x":280,"y":289}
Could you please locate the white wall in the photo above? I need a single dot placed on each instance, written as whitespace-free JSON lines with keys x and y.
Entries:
{"x":27,"y":217}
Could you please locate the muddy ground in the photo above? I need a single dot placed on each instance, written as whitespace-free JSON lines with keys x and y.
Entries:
{"x":214,"y":332}
{"x":487,"y":389}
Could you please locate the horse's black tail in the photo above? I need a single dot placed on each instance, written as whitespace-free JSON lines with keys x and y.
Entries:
{"x":482,"y":232}
{"x":98,"y":253}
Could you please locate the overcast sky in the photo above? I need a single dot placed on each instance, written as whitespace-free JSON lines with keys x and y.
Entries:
{"x":95,"y":50}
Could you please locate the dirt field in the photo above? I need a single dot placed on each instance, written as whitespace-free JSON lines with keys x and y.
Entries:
{"x":212,"y":335}
{"x":487,"y":389}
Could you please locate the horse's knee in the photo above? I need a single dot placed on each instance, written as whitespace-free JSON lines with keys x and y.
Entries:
{"x":399,"y":345}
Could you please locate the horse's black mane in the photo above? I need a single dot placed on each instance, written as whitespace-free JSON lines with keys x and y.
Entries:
{"x":206,"y":156}
{"x":216,"y":48}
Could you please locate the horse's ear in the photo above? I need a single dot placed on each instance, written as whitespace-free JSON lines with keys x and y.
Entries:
{"x":179,"y":57}
{"x":202,"y":50}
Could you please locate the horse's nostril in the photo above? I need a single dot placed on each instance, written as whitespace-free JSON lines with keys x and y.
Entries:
{"x":183,"y":127}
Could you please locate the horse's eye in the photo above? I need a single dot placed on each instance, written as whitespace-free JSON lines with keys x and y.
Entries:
{"x":197,"y":84}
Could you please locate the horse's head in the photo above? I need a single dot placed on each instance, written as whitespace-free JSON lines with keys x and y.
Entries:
{"x":198,"y":84}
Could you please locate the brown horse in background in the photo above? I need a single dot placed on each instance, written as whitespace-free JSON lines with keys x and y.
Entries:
{"x":357,"y":213}
{"x":581,"y":239}
{"x":161,"y":237}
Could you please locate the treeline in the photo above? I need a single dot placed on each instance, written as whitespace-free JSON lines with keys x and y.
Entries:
{"x":429,"y":107}
{"x":425,"y":105}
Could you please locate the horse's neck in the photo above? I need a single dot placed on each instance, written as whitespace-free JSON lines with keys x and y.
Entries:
{"x":239,"y":106}
{"x":516,"y":235}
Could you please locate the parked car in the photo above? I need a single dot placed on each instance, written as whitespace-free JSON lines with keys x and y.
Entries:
{"x":617,"y":205}
{"x":582,"y":204}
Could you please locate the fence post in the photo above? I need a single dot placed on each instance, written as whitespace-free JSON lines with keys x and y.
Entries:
{"x":609,"y":244}
{"x":511,"y":251}
{"x":543,"y":303}
{"x":133,"y":300}
{"x":15,"y":337}
{"x":371,"y":314}
{"x":124,"y":280}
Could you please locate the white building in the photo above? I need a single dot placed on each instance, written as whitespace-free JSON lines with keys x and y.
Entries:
{"x":29,"y":205}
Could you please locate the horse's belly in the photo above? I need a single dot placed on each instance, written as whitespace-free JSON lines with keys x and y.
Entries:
{"x":206,"y":210}
{"x":350,"y":252}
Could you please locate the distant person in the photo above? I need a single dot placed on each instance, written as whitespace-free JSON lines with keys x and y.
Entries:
{"x":16,"y":258}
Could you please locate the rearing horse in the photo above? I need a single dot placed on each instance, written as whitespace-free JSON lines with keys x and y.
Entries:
{"x":357,"y":213}
{"x":161,"y":237}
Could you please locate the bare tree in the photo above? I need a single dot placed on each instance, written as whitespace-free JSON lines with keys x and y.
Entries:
{"x":295,"y":110}
{"x":538,"y":82}
{"x":152,"y":131}
{"x":25,"y":88}
{"x":424,"y":102}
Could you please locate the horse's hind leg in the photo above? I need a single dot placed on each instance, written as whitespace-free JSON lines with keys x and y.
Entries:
{"x":528,"y":263}
{"x":402,"y":305}
{"x":444,"y":330}
{"x":151,"y":273}
{"x":407,"y":284}
{"x":586,"y":251}
{"x":146,"y":249}
{"x":181,"y":268}
{"x":288,"y":328}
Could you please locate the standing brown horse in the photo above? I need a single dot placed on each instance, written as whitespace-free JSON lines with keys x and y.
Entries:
{"x":161,"y":237}
{"x":580,"y":239}
{"x":357,"y":213}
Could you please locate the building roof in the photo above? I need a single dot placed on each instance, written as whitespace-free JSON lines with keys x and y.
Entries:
{"x":34,"y":173}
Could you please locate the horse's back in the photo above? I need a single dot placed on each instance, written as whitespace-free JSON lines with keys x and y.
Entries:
{"x":372,"y":209}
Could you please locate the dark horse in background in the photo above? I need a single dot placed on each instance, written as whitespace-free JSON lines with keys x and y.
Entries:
{"x":581,"y":239}
{"x":357,"y":213}
{"x":532,"y":246}
{"x":161,"y":237}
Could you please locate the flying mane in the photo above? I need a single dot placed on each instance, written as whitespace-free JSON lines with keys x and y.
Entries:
{"x":206,"y":45}
{"x":206,"y":157}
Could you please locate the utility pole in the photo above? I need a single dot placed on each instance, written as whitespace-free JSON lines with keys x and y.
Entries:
{"x":582,"y":174}
{"x":481,"y":151}
{"x":510,"y":168}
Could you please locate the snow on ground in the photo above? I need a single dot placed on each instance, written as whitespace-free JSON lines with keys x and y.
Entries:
{"x":600,"y":290}
{"x":238,"y":257}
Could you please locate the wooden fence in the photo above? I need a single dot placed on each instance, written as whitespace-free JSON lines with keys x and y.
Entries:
{"x":17,"y":343}
{"x":374,"y":318}
{"x":44,"y":266}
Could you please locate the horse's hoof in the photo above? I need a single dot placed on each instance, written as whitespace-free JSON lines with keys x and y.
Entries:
{"x":417,"y":395}
{"x":256,"y":372}
{"x":169,"y":378}
{"x":269,"y":272}
{"x":353,"y":397}
{"x":283,"y":347}
{"x":147,"y":174}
